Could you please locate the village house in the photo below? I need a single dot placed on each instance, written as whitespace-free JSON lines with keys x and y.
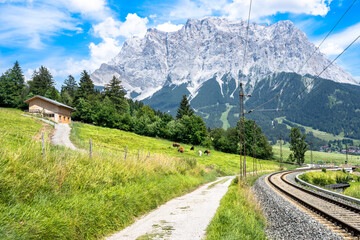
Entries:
{"x":49,"y":108}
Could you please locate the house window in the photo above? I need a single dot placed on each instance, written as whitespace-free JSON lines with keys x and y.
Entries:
{"x":49,"y":115}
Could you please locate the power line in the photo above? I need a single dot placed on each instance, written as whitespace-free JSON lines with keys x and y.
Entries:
{"x":317,"y":76}
{"x":241,"y":98}
{"x":312,"y":54}
{"x":246,"y":39}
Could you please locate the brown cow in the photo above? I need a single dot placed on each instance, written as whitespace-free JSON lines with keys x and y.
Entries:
{"x":181,"y":149}
{"x":176,"y":145}
{"x":207,"y":152}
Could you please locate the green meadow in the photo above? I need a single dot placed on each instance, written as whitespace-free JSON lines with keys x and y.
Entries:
{"x":115,"y":141}
{"x":68,"y":195}
{"x":318,"y":157}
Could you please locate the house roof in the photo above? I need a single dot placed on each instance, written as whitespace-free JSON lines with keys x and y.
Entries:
{"x":50,"y":101}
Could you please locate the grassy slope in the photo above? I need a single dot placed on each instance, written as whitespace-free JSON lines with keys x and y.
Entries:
{"x":319,"y":134}
{"x":67,"y":195}
{"x":321,"y":179}
{"x":114,"y":140}
{"x":336,"y":158}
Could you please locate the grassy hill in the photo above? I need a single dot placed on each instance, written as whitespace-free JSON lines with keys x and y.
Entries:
{"x":67,"y":195}
{"x":317,"y":133}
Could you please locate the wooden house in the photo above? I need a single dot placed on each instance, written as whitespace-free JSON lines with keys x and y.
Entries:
{"x":49,"y":108}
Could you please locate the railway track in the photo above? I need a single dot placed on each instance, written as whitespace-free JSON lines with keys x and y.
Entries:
{"x":345,"y":216}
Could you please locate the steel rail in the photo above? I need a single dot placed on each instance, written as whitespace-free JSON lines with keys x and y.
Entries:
{"x":345,"y":225}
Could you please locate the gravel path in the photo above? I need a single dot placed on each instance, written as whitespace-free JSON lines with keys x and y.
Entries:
{"x":62,"y":136}
{"x":285,"y":220}
{"x":182,"y":218}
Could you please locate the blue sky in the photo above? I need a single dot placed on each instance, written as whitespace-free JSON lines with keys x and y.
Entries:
{"x":68,"y":36}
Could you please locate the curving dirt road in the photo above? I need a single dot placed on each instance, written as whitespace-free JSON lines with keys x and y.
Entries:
{"x":185,"y":217}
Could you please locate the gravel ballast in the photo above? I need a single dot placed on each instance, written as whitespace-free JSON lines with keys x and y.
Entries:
{"x":285,"y":220}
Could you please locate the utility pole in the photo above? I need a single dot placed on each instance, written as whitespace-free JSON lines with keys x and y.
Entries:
{"x":311,"y":147}
{"x":281,"y":153}
{"x":242,"y":116}
{"x":241,"y":94}
{"x":254,"y":158}
{"x":346,"y":162}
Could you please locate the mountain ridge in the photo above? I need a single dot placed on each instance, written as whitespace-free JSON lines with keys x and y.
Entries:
{"x":210,"y":47}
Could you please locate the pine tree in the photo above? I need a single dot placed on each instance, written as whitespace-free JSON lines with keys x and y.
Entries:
{"x":86,"y":87}
{"x":115,"y":92}
{"x":184,"y":108}
{"x":68,"y":90}
{"x":70,"y":86}
{"x":42,"y":81}
{"x":12,"y":87}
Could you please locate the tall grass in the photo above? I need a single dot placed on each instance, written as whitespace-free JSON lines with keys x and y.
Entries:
{"x":68,"y":195}
{"x":239,"y":216}
{"x":116,"y":140}
{"x":331,"y":177}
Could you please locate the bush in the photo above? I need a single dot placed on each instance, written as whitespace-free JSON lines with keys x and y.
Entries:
{"x":323,"y":170}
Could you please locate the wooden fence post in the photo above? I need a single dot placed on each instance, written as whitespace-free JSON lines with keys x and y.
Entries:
{"x":43,"y":144}
{"x":138,"y":154}
{"x":141,"y":152}
{"x":125,"y":151}
{"x":90,"y":147}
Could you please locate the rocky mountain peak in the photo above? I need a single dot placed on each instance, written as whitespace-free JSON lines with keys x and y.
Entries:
{"x":212,"y":47}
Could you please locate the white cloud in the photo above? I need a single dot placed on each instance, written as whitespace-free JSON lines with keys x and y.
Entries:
{"x":28,"y":26}
{"x":110,"y":28}
{"x":103,"y":51}
{"x":239,"y":8}
{"x":190,"y":9}
{"x":152,"y":16}
{"x":336,"y":43}
{"x":134,"y":26}
{"x":168,"y":27}
{"x":85,"y":6}
{"x":111,"y":32}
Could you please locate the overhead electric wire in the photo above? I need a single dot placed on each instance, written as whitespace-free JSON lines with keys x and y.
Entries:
{"x":317,"y":76}
{"x":311,"y":55}
{"x":246,"y":39}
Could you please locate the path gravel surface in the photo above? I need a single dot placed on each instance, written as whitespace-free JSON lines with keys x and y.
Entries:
{"x":185,"y":217}
{"x":62,"y":136}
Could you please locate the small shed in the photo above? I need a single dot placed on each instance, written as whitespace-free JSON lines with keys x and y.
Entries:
{"x":49,"y":108}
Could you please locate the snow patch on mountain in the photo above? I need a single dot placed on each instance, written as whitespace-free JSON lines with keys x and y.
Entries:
{"x":214,"y":46}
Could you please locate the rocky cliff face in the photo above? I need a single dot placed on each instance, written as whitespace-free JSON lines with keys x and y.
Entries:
{"x":213,"y":49}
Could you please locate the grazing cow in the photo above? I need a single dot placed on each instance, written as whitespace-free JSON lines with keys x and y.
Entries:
{"x":207,"y":152}
{"x":192,"y":148}
{"x":181,"y":149}
{"x":200,"y":152}
{"x":176,"y":145}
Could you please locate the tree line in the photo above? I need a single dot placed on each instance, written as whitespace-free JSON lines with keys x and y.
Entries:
{"x":110,"y":108}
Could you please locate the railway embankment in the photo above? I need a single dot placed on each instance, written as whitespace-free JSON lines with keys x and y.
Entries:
{"x":284,"y":219}
{"x":291,"y":178}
